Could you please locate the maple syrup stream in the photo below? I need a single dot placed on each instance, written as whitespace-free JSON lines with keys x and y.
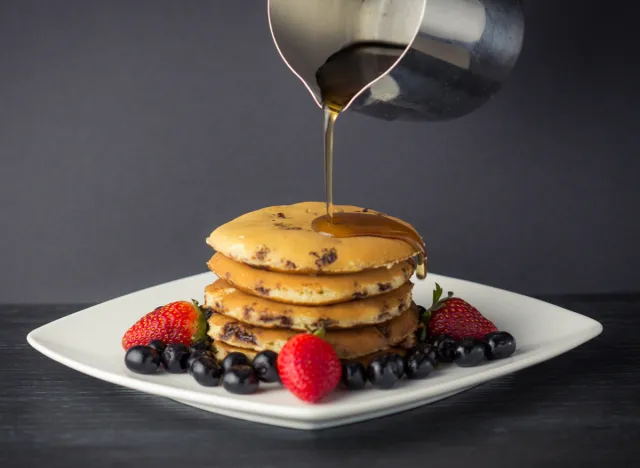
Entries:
{"x":342,"y":76}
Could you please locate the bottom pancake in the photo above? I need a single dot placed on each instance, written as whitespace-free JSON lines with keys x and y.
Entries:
{"x":348,"y":344}
{"x":223,"y":349}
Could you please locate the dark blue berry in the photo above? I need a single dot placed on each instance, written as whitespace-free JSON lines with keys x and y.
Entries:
{"x":469,"y":352}
{"x":206,"y":371}
{"x":142,"y":359}
{"x":158,"y":345}
{"x":201,"y":345}
{"x":446,"y":349}
{"x":265,"y":365}
{"x":240,"y":379}
{"x":384,"y":371}
{"x":198,"y":354}
{"x":234,"y":359}
{"x":354,"y":375}
{"x":499,"y":345}
{"x":175,"y":358}
{"x":418,"y":363}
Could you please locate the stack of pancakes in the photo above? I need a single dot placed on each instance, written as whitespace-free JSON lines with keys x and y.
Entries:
{"x":279,"y":278}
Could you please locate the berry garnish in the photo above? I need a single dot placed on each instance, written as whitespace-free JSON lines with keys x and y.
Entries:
{"x":384,"y":371}
{"x":206,"y":371}
{"x":354,"y":376}
{"x":240,"y":379}
{"x":265,"y":364}
{"x":142,"y":359}
{"x":198,"y":354}
{"x":201,"y":345}
{"x":177,"y":322}
{"x":419,"y":364}
{"x":499,"y":345}
{"x":158,"y":345}
{"x":455,"y":317}
{"x":175,"y":357}
{"x":470,"y":352}
{"x":234,"y":359}
{"x":309,"y":367}
{"x":445,"y":347}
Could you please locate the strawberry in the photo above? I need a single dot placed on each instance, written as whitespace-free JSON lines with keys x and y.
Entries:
{"x":309,"y":367}
{"x":177,"y":322}
{"x":455,"y":317}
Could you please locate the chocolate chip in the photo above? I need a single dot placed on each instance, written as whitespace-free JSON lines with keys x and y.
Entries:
{"x":360,"y":294}
{"x":281,"y":215}
{"x":262,"y":252}
{"x":283,"y":320}
{"x":287,"y":227}
{"x":290,"y":265}
{"x":328,"y":257}
{"x":262,"y":290}
{"x":324,"y":323}
{"x":382,"y":287}
{"x":239,"y":332}
{"x":247,"y":310}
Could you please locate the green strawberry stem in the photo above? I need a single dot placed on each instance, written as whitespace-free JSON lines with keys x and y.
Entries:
{"x":438,"y":303}
{"x":201,"y":324}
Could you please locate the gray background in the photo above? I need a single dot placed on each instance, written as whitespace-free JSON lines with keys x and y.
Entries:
{"x":130,"y":129}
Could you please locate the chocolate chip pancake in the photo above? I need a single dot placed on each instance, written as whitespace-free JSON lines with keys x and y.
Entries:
{"x":348,"y":344}
{"x":225,"y":299}
{"x":223,"y":349}
{"x":280,"y":238}
{"x":310,"y":290}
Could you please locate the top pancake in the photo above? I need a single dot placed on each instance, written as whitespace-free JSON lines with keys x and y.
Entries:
{"x":281,"y":238}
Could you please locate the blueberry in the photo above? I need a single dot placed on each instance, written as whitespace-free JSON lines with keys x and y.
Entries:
{"x":499,"y":345}
{"x":354,"y":376}
{"x":201,"y":345}
{"x":175,"y":357}
{"x":446,"y":349}
{"x":158,"y":345}
{"x":206,"y":371}
{"x":142,"y":359}
{"x":198,"y":354}
{"x":234,"y":359}
{"x":418,"y":363}
{"x":428,"y":350}
{"x":240,"y":379}
{"x":384,"y":371}
{"x":469,"y":352}
{"x":266,"y":367}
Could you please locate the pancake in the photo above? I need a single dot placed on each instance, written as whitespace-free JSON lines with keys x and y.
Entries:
{"x":223,"y":349}
{"x":280,"y":238}
{"x":310,"y":290}
{"x":223,"y":298}
{"x":348,"y":344}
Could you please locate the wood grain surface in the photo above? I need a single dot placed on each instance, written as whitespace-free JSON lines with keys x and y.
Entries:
{"x":580,"y":409}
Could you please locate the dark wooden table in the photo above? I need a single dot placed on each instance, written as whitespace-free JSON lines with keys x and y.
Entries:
{"x":580,"y":409}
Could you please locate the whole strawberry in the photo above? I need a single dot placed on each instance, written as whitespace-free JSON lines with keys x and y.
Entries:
{"x":455,"y":317}
{"x":309,"y":367}
{"x":177,"y":322}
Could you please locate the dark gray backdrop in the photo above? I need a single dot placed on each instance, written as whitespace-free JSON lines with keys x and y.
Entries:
{"x":129,"y":129}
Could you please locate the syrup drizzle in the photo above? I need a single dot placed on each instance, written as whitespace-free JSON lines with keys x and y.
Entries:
{"x":342,"y":76}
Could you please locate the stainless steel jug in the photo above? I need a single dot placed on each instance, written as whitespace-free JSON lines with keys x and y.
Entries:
{"x":458,"y":52}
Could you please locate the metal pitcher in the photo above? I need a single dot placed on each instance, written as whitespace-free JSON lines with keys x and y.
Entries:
{"x":458,"y":52}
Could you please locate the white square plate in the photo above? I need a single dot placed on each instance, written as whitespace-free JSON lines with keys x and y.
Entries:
{"x":542,"y":331}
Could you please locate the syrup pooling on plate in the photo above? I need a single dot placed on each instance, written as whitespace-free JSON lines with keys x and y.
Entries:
{"x":374,"y":225}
